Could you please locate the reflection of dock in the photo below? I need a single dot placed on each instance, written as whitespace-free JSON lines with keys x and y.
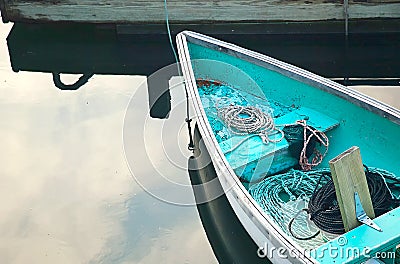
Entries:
{"x":227,"y":15}
{"x":85,"y":48}
{"x":230,"y":241}
{"x":89,"y":49}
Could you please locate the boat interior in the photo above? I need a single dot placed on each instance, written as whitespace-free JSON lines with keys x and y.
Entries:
{"x":300,"y":106}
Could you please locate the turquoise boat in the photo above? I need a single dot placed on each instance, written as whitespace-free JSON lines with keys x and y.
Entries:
{"x":256,"y":116}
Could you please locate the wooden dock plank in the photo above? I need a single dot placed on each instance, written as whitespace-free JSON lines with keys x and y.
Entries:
{"x":123,"y":11}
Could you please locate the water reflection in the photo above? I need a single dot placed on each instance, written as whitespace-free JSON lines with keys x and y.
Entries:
{"x":68,"y":195}
{"x":85,"y":48}
{"x":388,"y":94}
{"x":100,"y":50}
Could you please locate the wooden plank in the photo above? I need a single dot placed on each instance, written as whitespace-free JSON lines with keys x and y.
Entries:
{"x":349,"y":177}
{"x":203,"y":11}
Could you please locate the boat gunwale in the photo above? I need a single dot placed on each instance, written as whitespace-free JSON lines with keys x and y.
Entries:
{"x":264,"y":221}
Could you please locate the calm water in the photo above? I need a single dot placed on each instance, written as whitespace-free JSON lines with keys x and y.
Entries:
{"x":88,"y":176}
{"x":68,"y":194}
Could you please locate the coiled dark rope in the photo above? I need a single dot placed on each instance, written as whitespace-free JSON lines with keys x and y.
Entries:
{"x":282,"y":195}
{"x":324,"y":209}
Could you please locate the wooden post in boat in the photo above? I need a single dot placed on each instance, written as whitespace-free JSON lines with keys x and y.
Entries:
{"x":349,"y":177}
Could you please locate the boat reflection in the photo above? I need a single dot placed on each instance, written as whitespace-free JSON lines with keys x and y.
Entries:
{"x":229,"y":240}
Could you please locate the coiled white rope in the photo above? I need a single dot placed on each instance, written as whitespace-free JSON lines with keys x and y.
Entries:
{"x":244,"y":120}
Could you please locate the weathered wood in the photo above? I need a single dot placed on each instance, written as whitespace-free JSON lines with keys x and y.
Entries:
{"x":193,"y":11}
{"x":349,"y":177}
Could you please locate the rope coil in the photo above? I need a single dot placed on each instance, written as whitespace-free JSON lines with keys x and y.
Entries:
{"x":283,"y":196}
{"x":324,"y":209}
{"x":320,"y":202}
{"x":244,"y":120}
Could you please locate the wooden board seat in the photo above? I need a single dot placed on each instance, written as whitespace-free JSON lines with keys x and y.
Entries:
{"x":252,"y":159}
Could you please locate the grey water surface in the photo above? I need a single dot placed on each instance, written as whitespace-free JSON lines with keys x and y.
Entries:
{"x":87,"y":176}
{"x":67,"y":192}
